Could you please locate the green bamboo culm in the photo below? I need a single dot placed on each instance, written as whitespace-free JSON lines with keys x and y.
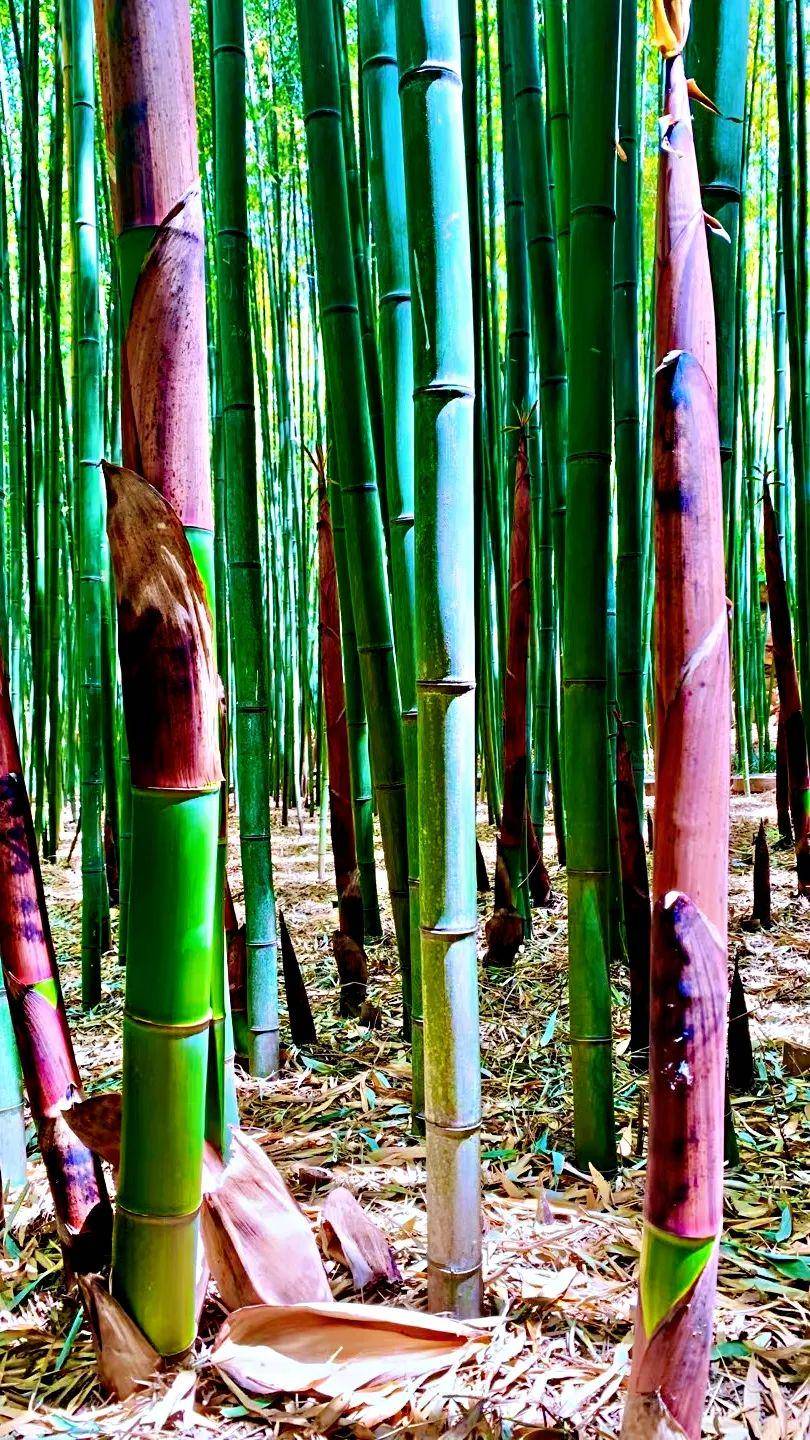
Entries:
{"x":428,"y":53}
{"x":78,"y":35}
{"x":523,"y":39}
{"x":627,"y":421}
{"x":716,"y":56}
{"x":595,"y":52}
{"x":248,"y":628}
{"x":377,"y":24}
{"x":555,"y":35}
{"x":162,"y":548}
{"x":348,"y":401}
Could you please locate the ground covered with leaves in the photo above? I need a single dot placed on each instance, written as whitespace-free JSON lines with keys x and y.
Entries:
{"x":561,"y":1247}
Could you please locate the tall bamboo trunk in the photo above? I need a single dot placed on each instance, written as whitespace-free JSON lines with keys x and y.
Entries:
{"x":541,"y":239}
{"x":248,"y":627}
{"x":627,"y":419}
{"x":387,"y":188}
{"x":78,"y":36}
{"x":683,"y":1201}
{"x":717,"y":59}
{"x":349,"y":409}
{"x":428,"y":53}
{"x":161,"y":542}
{"x":595,"y":52}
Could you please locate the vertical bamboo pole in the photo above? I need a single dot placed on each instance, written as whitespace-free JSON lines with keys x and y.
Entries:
{"x":346,"y":389}
{"x":684,"y":1191}
{"x":428,"y":52}
{"x":88,"y":439}
{"x":595,"y":52}
{"x":627,"y":420}
{"x":387,"y":192}
{"x":248,"y":629}
{"x":165,"y":541}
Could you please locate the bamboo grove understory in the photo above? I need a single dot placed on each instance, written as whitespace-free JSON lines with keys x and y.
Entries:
{"x":404,"y":420}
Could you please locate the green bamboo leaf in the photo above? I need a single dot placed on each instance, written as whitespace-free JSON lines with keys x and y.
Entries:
{"x":548,"y":1033}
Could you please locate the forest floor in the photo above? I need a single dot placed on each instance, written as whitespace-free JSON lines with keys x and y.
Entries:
{"x":561,"y":1248}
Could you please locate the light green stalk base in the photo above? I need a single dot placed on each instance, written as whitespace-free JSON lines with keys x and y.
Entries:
{"x":166,"y":1036}
{"x":221,"y":1107}
{"x":670,"y":1266}
{"x":12,"y":1127}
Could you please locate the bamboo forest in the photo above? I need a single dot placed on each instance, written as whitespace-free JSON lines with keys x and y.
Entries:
{"x":404,"y":780}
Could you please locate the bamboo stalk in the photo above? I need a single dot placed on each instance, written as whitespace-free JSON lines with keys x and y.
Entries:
{"x":683,"y":1199}
{"x":159,"y":538}
{"x":248,"y":629}
{"x":595,"y":52}
{"x":88,"y":437}
{"x":428,"y":53}
{"x":348,"y":399}
{"x":387,"y":192}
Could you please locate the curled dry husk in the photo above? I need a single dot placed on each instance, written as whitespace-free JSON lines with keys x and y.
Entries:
{"x":671,"y":26}
{"x":124,"y":1356}
{"x":351,"y":1237}
{"x":97,"y":1122}
{"x":344,"y":1350}
{"x":258,"y":1244}
{"x":165,"y":641}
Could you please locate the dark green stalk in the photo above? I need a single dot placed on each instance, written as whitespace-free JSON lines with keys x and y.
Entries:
{"x":91,"y":506}
{"x":542,"y":246}
{"x":555,"y":34}
{"x":248,"y":630}
{"x":595,"y":52}
{"x":717,"y":58}
{"x":387,"y":193}
{"x":348,"y":396}
{"x":627,"y":422}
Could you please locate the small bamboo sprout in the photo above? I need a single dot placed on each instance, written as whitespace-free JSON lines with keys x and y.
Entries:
{"x":481,"y":875}
{"x":740,"y":1050}
{"x":302,"y":1025}
{"x":762,"y":879}
{"x":683,"y":1201}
